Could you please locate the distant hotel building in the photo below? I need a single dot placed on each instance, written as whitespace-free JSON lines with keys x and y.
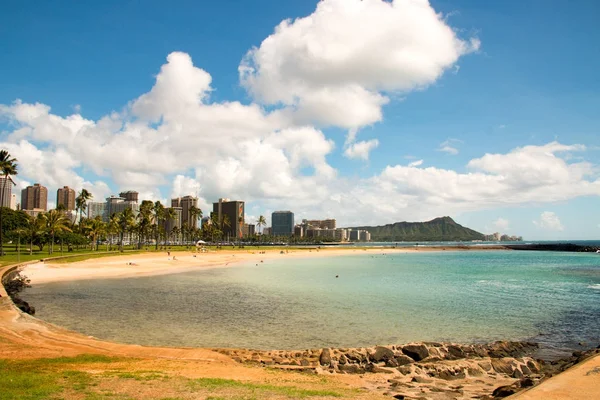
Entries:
{"x":96,"y":209}
{"x":171,"y":223}
{"x":318,"y":223}
{"x":34,"y":198}
{"x":249,"y":230}
{"x":7,"y":196}
{"x":282,"y":223}
{"x":359,"y":235}
{"x":130,"y":195}
{"x":66,"y":196}
{"x":115,"y":205}
{"x":234,"y":210}
{"x":185,"y":204}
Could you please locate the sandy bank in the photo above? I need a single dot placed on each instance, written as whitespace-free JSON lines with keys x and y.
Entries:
{"x":149,"y":264}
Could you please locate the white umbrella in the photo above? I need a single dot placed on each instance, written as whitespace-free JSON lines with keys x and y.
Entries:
{"x":200,"y":242}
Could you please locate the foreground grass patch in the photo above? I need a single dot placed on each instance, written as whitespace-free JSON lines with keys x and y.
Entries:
{"x":261,"y":390}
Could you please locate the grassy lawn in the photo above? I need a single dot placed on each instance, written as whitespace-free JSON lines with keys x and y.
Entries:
{"x":91,"y":377}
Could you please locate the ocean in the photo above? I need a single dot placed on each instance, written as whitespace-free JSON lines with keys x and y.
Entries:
{"x":361,"y":300}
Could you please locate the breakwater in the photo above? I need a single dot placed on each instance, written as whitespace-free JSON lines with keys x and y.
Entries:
{"x":570,"y":247}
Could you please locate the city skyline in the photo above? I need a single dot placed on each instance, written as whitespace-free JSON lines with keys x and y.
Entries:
{"x":489,"y":116}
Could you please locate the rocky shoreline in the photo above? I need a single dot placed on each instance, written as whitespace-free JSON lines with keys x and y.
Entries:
{"x":570,"y":247}
{"x":424,"y":370}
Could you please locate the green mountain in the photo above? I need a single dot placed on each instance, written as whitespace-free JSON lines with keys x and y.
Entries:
{"x":438,"y":229}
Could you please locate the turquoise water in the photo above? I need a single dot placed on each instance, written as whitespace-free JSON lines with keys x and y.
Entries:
{"x":384,"y":299}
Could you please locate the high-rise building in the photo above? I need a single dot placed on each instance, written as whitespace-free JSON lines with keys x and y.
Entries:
{"x":319,"y":223}
{"x":6,"y":186}
{"x":233,"y":225}
{"x":130,"y":195}
{"x":97,"y":209}
{"x":34,"y":197}
{"x":186,"y":203}
{"x":175,"y":222}
{"x":282,"y":223}
{"x":13,"y":201}
{"x":66,"y":196}
{"x":116,"y":205}
{"x":249,"y":230}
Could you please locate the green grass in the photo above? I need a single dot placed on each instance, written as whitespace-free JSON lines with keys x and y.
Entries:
{"x":263,"y":390}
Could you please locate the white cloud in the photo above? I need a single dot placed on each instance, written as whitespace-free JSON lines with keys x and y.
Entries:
{"x":334,"y":66}
{"x":501,"y":224}
{"x":361,"y":149}
{"x":550,"y":221}
{"x":449,"y":146}
{"x":415,"y":163}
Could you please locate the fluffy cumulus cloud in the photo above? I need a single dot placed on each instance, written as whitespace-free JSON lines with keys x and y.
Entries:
{"x":361,"y":149}
{"x":549,"y":221}
{"x":336,"y":66}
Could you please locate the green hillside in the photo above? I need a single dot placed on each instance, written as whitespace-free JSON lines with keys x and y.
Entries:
{"x":438,"y":229}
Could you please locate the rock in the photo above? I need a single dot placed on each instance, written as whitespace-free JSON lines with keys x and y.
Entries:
{"x":517,"y":374}
{"x":405,"y":370}
{"x":304,"y":362}
{"x":421,"y":379}
{"x":380,"y":370}
{"x":403,"y":360}
{"x":325,"y":357}
{"x":352,"y":369}
{"x":533,"y":366}
{"x":503,"y":365}
{"x":450,"y":375}
{"x":354,"y":355}
{"x":456,"y":352}
{"x":343,"y":360}
{"x":381,"y":354}
{"x":417,"y":352}
{"x":473,"y":371}
{"x":526,"y":382}
{"x":485,"y":365}
{"x":392,"y":363}
{"x":23,"y":306}
{"x":526,"y":370}
{"x":504,"y":391}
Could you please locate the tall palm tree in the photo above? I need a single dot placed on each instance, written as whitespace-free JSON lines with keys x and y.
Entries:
{"x":261,"y":222}
{"x":125,"y":220}
{"x":112,"y":228}
{"x":81,"y":203}
{"x":34,"y":228}
{"x":176,"y":231}
{"x":94,"y":229}
{"x":158,"y":213}
{"x":170,"y":215}
{"x":144,"y":218}
{"x":56,"y":222}
{"x":8,"y":167}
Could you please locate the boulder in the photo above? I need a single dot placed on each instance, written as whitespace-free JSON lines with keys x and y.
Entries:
{"x":352,"y":369}
{"x":381,"y":354}
{"x":417,"y":352}
{"x":325,"y":357}
{"x":504,"y":391}
{"x":455,"y":352}
{"x":504,"y":365}
{"x":403,"y":360}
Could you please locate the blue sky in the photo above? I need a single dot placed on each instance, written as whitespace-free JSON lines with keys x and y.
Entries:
{"x":521,"y":84}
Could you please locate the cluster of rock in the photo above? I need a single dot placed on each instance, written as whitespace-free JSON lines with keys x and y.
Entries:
{"x":417,"y":370}
{"x":554,"y":247}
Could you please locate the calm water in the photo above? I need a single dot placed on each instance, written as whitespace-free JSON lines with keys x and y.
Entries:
{"x":290,"y":303}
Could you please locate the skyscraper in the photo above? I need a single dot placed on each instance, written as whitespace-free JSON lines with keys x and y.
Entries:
{"x":282,"y":223}
{"x":233,"y":225}
{"x":186,"y":203}
{"x":7,"y":187}
{"x":34,"y":197}
{"x":130,"y":195}
{"x":66,"y":196}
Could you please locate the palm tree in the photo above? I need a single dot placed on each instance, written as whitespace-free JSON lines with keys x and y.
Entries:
{"x":56,"y":222}
{"x":94,"y":229}
{"x":125,"y":221}
{"x":261,"y":222}
{"x":176,"y":231}
{"x":170,"y":215}
{"x":8,"y":167}
{"x":112,"y":228}
{"x":144,"y":218}
{"x":81,"y":203}
{"x":158,"y":212}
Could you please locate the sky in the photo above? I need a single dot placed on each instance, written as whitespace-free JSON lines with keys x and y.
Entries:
{"x":370,"y":112}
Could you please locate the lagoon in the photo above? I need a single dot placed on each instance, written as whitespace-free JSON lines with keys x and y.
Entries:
{"x":296,"y":303}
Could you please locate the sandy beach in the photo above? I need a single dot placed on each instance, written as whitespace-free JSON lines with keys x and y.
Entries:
{"x":150,"y":264}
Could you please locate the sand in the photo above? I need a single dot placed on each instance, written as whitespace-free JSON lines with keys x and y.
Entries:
{"x":149,"y":264}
